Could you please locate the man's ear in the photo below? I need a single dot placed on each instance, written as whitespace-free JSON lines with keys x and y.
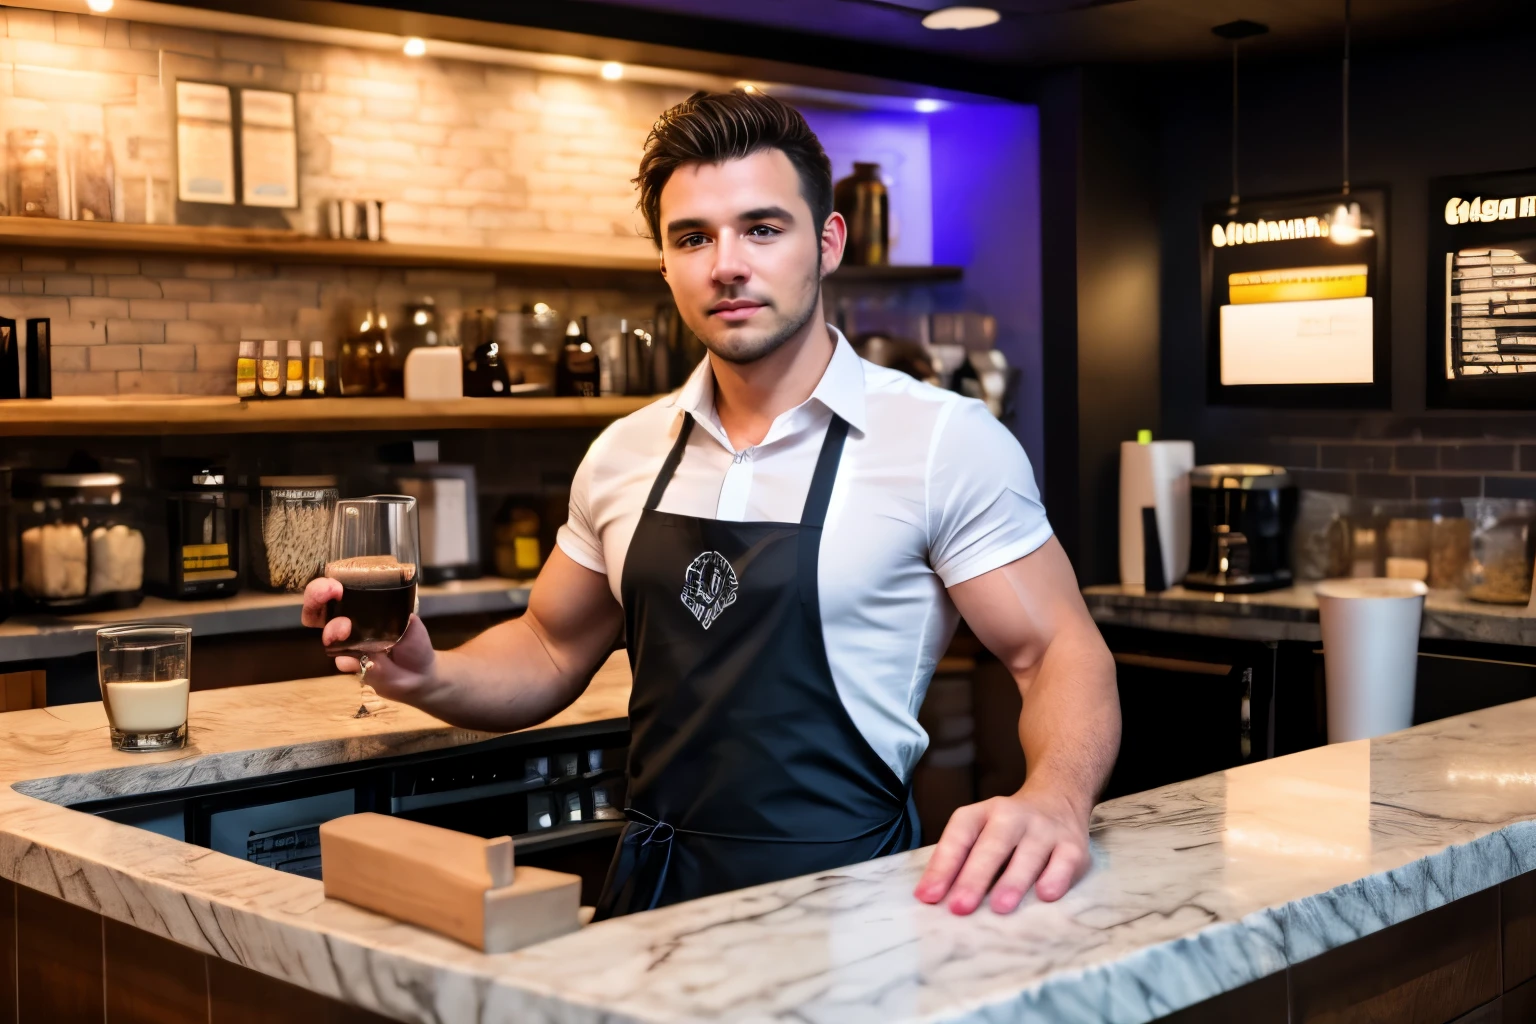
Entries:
{"x":833,"y":242}
{"x":662,"y":263}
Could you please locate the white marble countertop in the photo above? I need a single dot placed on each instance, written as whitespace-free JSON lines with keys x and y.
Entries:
{"x":1291,"y":614}
{"x":1197,"y":888}
{"x":34,"y":637}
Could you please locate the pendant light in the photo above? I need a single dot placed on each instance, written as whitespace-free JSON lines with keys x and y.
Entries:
{"x":1344,"y":226}
{"x":1235,"y":32}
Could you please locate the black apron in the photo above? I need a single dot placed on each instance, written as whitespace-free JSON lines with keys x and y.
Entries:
{"x":744,"y":766}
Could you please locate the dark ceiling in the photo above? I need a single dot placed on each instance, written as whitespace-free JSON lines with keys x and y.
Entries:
{"x":885,"y":41}
{"x":1032,"y":33}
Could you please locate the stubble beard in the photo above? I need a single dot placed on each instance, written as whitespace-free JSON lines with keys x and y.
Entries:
{"x":747,"y":352}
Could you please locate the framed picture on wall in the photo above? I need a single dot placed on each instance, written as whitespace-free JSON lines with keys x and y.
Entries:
{"x":1296,"y":301}
{"x":1482,"y":291}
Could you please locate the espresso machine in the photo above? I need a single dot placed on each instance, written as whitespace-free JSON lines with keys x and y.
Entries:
{"x":1240,"y":521}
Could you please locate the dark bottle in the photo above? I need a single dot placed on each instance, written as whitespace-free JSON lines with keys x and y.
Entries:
{"x":38,"y":378}
{"x":362,"y":362}
{"x":576,"y":369}
{"x":864,"y":203}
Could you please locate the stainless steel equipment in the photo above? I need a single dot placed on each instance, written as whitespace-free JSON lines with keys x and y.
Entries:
{"x":1241,"y":516}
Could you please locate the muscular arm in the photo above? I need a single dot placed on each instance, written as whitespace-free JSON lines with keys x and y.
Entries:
{"x":511,"y":676}
{"x":1030,"y":614}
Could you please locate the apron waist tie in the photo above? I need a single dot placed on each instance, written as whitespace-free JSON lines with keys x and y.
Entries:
{"x":653,"y":831}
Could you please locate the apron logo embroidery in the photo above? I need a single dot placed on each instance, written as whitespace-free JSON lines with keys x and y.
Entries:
{"x":709,"y":587}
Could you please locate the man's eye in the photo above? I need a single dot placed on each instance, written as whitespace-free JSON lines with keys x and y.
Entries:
{"x":689,"y":241}
{"x":762,"y":231}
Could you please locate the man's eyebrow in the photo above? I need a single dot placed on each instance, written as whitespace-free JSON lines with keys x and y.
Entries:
{"x":767,"y":213}
{"x":686,"y":224}
{"x":761,"y":213}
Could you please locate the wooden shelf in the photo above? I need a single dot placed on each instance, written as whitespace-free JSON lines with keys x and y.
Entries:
{"x":293,"y":247}
{"x":129,"y":415}
{"x":631,"y":259}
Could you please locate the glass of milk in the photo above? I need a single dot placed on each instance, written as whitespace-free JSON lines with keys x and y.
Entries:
{"x":145,"y":671}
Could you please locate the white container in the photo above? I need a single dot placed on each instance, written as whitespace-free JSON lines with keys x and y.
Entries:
{"x":1370,"y":654}
{"x":1155,"y":475}
{"x":434,"y":371}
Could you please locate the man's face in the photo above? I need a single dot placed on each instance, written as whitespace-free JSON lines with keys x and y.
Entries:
{"x":742,"y":254}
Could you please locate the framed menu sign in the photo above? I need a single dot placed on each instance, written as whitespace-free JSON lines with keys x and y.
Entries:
{"x":1296,"y":302}
{"x":1482,"y":291}
{"x":205,"y":143}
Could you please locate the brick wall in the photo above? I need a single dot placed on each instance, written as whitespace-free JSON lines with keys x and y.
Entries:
{"x":461,"y":153}
{"x":1428,"y":457}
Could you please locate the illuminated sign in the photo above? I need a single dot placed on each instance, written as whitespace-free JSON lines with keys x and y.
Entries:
{"x":1481,"y":291}
{"x":1234,"y":233}
{"x":1295,"y":301}
{"x":1473,"y":211}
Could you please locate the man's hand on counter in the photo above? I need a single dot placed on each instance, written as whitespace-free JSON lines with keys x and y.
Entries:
{"x":1034,"y":839}
{"x":1030,"y":614}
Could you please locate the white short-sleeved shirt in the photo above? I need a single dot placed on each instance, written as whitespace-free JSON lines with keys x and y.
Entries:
{"x":931,"y":491}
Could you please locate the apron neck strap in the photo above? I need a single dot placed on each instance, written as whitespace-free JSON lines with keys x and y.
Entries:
{"x":820,"y":494}
{"x":669,"y":467}
{"x":816,"y":499}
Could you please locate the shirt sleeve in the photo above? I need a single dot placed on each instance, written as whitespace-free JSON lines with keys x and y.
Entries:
{"x":984,"y":508}
{"x":579,"y":538}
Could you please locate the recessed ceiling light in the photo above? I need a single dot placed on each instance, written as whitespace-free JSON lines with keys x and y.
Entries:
{"x":961,"y":18}
{"x":415,"y":46}
{"x":613,"y":71}
{"x":746,"y":87}
{"x":99,"y":6}
{"x":926,"y":106}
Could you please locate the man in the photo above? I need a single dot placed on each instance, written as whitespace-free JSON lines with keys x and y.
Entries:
{"x":786,"y":543}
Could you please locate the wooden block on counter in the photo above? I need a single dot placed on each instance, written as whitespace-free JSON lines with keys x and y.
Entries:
{"x":538,"y":905}
{"x":455,"y":884}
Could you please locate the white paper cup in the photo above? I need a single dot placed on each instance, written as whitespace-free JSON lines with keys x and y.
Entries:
{"x":1370,"y":654}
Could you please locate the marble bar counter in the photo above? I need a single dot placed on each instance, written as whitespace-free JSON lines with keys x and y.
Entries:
{"x":1291,"y":614}
{"x":1197,"y":888}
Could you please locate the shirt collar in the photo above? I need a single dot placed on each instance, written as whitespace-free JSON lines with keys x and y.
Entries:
{"x":840,"y":390}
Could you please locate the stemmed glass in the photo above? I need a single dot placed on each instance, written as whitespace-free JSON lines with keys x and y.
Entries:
{"x":373,"y":555}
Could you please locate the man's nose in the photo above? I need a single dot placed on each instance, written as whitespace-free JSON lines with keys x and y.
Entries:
{"x":731,"y":265}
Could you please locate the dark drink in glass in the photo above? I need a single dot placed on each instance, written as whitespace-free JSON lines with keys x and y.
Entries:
{"x":378,"y":593}
{"x":373,"y":555}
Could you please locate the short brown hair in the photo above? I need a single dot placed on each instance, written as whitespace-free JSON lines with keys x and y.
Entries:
{"x":715,"y":127}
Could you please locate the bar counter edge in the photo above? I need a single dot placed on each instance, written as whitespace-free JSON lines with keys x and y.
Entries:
{"x":1213,"y":887}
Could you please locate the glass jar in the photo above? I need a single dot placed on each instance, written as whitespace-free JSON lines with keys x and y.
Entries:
{"x":419,"y":326}
{"x":81,"y":549}
{"x":1499,"y":570}
{"x":290,"y":530}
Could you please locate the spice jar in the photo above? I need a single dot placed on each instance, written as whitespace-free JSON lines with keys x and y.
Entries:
{"x":290,"y":530}
{"x":80,"y":549}
{"x":245,"y":370}
{"x":1499,"y":570}
{"x":271,"y":370}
